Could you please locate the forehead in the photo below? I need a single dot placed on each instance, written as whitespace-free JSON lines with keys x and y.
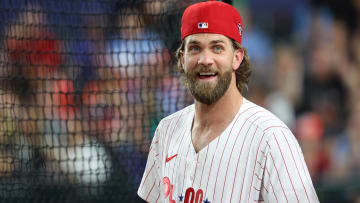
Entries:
{"x":205,"y":38}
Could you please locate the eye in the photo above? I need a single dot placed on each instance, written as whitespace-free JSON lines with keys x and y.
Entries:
{"x":218,"y":48}
{"x":194,"y":48}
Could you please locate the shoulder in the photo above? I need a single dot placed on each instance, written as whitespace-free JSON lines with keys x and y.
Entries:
{"x":271,"y":133}
{"x":185,"y":112}
{"x":275,"y":136}
{"x":178,"y":117}
{"x":263,"y":119}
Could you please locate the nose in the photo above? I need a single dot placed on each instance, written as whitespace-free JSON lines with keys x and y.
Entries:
{"x":205,"y":59}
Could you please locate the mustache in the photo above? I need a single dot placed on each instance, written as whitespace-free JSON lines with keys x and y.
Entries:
{"x":192,"y":73}
{"x":202,"y":68}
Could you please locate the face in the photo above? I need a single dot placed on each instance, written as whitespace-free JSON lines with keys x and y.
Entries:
{"x":208,"y":61}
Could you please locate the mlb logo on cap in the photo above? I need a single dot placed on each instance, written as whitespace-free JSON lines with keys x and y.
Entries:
{"x":203,"y":25}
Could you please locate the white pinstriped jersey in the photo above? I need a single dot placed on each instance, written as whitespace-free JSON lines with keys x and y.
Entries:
{"x":255,"y":159}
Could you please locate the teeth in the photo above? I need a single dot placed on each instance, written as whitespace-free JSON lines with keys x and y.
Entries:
{"x":207,"y":74}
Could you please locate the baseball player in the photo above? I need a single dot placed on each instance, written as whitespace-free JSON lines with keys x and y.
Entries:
{"x":223,"y":148}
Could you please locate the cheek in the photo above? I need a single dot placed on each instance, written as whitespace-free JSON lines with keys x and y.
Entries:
{"x":226,"y":63}
{"x":190,"y":62}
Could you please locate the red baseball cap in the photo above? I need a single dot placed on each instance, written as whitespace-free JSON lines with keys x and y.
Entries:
{"x":212,"y":17}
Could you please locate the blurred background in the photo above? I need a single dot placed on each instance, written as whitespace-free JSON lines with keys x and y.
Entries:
{"x":84,"y":84}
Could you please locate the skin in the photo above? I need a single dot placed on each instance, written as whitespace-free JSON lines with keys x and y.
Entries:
{"x":216,"y":52}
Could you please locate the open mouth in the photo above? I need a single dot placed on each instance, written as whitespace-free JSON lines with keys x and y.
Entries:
{"x":206,"y":75}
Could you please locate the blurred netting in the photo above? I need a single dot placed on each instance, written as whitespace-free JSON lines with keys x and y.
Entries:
{"x":84,"y":84}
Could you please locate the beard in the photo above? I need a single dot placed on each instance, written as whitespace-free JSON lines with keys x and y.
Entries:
{"x":206,"y":92}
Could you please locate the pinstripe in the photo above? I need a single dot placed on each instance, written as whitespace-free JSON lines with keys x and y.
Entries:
{"x":227,"y":168}
{"x":292,"y":155}
{"x":159,"y":193}
{"x":164,"y":154}
{"x":147,"y":197}
{"x":270,"y":127}
{"x":277,"y":171}
{"x":177,"y":161}
{"x":204,"y":165}
{"x":147,"y":175}
{"x":217,"y":174}
{"x":303,"y":166}
{"x":287,"y":170}
{"x":185,"y":167}
{"x":172,"y":135}
{"x":195,"y":169}
{"x":253,"y":172}
{"x":256,"y":158}
{"x":207,"y":184}
{"x":271,"y":184}
{"x":252,"y":177}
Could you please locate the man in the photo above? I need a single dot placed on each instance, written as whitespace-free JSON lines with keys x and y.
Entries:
{"x":223,"y":148}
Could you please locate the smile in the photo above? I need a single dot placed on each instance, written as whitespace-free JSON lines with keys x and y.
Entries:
{"x":206,"y":76}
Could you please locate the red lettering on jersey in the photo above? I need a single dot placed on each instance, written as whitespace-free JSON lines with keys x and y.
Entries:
{"x":190,"y":195}
{"x":198,"y":193}
{"x":168,"y":189}
{"x":191,"y":192}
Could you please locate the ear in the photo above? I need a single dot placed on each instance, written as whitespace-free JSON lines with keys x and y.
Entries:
{"x":237,"y":59}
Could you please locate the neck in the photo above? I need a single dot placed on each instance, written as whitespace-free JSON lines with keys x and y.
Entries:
{"x":210,"y":121}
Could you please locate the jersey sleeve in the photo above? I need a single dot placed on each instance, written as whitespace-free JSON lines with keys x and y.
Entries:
{"x":286,"y":176}
{"x":149,"y":188}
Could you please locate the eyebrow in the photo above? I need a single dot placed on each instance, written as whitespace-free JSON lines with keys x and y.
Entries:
{"x":193,"y":42}
{"x":217,"y":41}
{"x":212,"y":42}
